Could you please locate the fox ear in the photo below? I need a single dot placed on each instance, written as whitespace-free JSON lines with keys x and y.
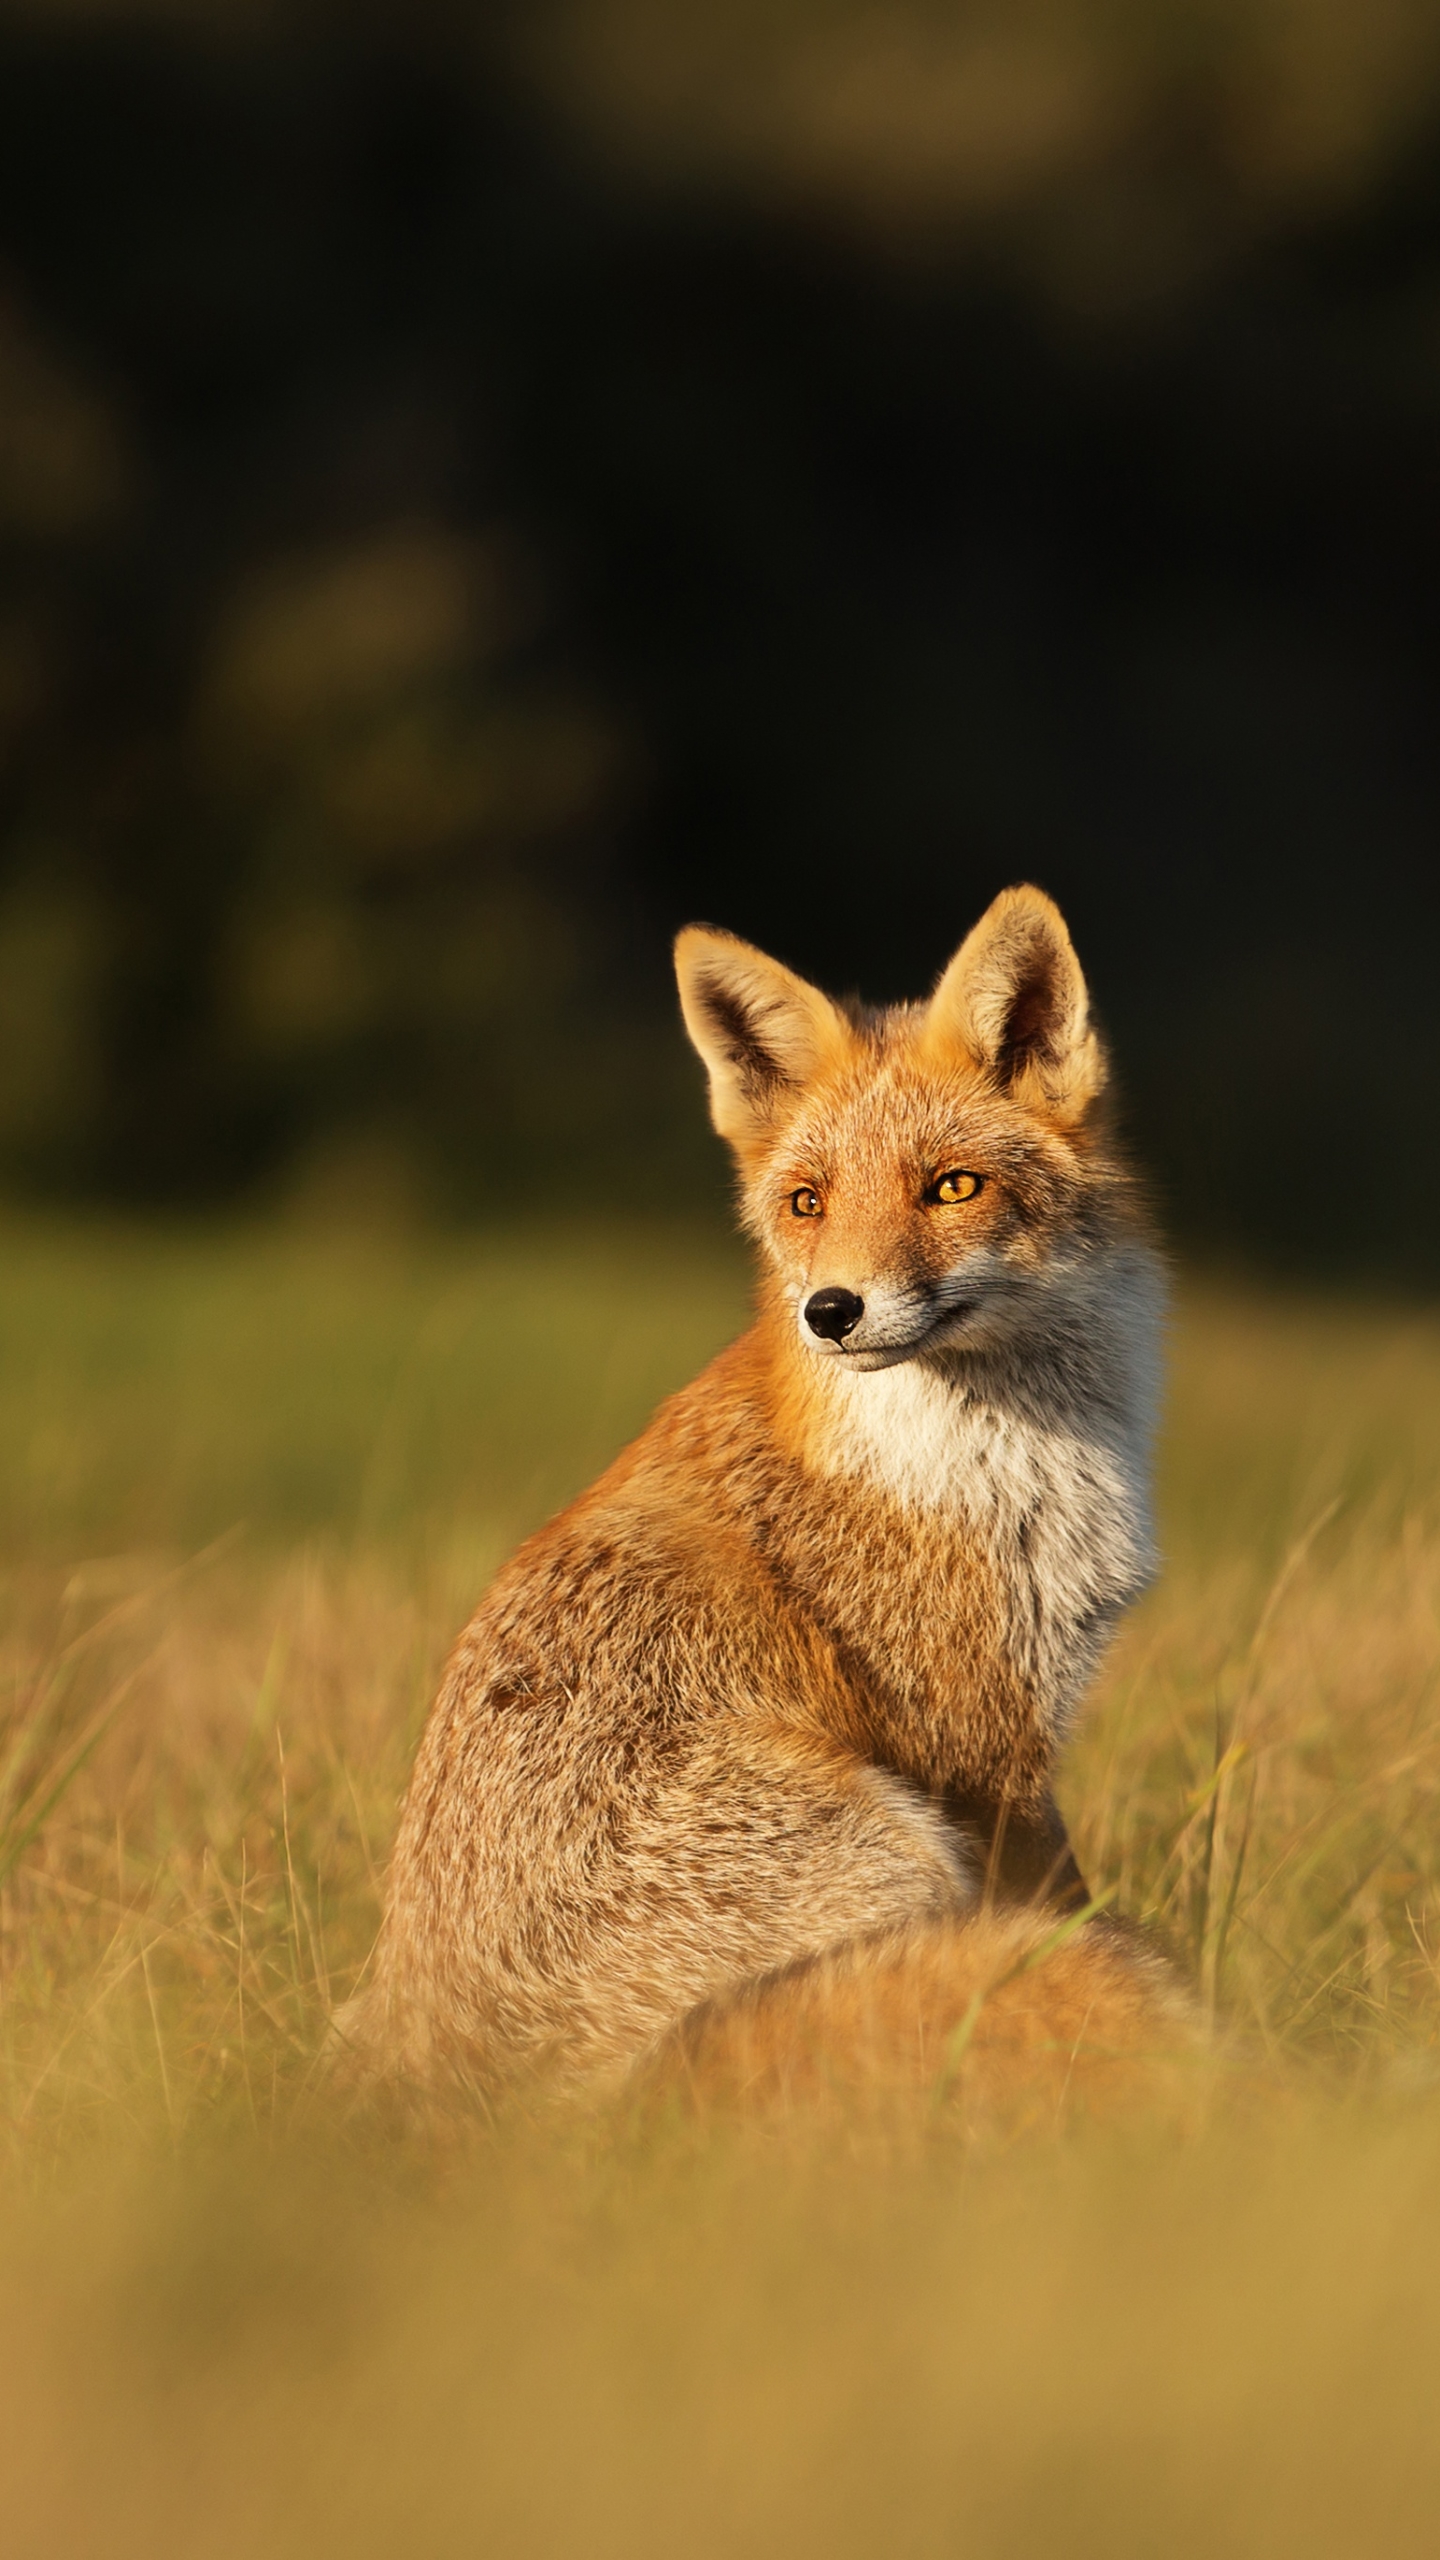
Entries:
{"x":762,"y":1032}
{"x":1014,"y":1000}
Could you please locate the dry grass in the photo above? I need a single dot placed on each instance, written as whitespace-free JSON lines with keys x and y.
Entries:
{"x":250,"y":1489}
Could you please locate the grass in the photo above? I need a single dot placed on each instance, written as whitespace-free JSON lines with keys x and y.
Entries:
{"x":250,"y":1486}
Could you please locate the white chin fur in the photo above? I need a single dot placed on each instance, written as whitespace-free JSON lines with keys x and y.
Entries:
{"x":887,"y":1356}
{"x":1046,"y":1458}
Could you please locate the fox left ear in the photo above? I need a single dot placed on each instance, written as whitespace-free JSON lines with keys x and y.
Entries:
{"x":762,"y":1032}
{"x":1013,"y":999}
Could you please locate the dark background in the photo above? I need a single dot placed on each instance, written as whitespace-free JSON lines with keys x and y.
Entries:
{"x":452,"y":532}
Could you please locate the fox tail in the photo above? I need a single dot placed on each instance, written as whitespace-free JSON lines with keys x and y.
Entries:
{"x":1001,"y":2020}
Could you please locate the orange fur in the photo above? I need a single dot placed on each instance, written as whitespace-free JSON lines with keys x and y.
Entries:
{"x":788,"y":1682}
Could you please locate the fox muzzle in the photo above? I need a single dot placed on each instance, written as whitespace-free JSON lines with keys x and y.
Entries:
{"x":874,"y":1332}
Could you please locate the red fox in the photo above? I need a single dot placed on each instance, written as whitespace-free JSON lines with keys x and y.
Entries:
{"x":743,"y":1767}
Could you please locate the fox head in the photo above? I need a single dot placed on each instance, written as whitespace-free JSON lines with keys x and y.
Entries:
{"x":915,"y":1176}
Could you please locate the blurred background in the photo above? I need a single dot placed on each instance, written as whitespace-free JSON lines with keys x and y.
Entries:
{"x":480,"y":485}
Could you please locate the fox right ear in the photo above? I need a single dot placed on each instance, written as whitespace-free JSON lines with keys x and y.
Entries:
{"x":1013,"y":999}
{"x":762,"y":1032}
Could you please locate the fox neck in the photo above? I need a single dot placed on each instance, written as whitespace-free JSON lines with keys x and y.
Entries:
{"x":1005,"y":1488}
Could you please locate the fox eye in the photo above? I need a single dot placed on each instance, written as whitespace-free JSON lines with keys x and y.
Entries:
{"x":805,"y":1203}
{"x":950,"y":1187}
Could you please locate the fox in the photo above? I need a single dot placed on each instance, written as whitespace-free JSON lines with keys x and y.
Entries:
{"x":742,"y":1774}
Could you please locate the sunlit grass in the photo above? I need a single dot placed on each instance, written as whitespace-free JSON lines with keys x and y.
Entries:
{"x":250,"y":1487}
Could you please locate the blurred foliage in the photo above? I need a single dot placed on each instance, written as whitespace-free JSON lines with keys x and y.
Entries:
{"x":478,"y":486}
{"x":1110,"y":146}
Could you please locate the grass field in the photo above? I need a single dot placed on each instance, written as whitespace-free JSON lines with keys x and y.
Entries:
{"x":250,"y":1486}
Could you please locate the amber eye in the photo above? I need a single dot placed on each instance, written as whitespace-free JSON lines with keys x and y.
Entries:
{"x":951,"y":1187}
{"x":805,"y":1203}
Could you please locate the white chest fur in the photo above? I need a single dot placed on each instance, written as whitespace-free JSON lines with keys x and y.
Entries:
{"x":1050,"y":1480}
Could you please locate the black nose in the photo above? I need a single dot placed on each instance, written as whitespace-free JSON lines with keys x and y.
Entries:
{"x":832,"y":1313}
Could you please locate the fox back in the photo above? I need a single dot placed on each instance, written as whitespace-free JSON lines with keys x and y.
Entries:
{"x":787,"y":1685}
